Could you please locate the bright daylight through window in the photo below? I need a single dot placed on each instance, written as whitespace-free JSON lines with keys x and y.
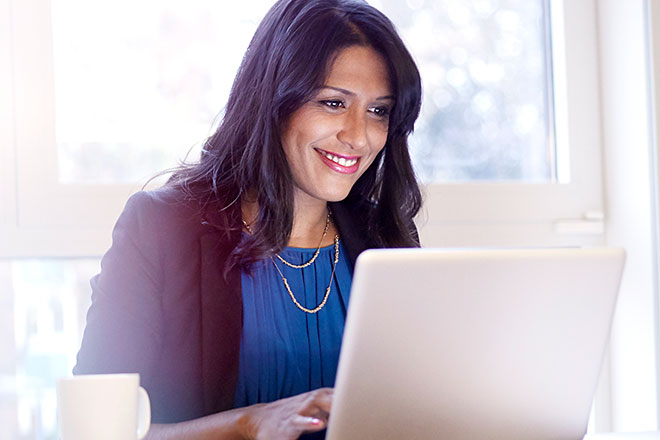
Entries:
{"x":131,"y":104}
{"x":487,"y":109}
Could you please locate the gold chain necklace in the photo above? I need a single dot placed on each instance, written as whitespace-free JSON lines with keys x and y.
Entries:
{"x":327,"y":291}
{"x":316,"y":253}
{"x":301,"y":266}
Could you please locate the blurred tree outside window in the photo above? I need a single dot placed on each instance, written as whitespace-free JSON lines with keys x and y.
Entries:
{"x":44,"y":303}
{"x":486,"y":113}
{"x":140,"y":84}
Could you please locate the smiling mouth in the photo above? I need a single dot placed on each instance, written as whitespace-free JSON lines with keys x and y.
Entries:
{"x":344,"y":161}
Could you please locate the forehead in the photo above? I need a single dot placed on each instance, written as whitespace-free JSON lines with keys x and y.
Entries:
{"x":360,"y":69}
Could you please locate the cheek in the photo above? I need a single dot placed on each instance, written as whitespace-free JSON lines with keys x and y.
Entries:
{"x":378,"y":139}
{"x":372,"y":158}
{"x":304,"y":130}
{"x":377,"y":131}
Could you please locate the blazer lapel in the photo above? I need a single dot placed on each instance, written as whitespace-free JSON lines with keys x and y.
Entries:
{"x":221,"y":323}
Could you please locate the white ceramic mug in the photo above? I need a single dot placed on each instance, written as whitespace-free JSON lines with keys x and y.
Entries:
{"x":103,"y":407}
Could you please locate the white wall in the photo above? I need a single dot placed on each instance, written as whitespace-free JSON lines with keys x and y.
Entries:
{"x":626,"y":116}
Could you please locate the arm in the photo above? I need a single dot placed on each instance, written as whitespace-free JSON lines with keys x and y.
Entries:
{"x":124,"y":324}
{"x":125,"y":328}
{"x":284,"y":419}
{"x":232,"y":424}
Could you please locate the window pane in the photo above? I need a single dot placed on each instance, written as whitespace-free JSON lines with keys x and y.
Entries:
{"x":43,"y":304}
{"x":486,"y":112}
{"x":140,"y":83}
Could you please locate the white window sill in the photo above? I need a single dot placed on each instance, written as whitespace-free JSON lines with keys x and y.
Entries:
{"x":625,"y":436}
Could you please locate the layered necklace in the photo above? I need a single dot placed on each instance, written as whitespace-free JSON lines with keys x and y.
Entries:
{"x":302,"y":266}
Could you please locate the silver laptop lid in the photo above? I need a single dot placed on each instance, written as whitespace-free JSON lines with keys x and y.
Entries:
{"x":474,"y":344}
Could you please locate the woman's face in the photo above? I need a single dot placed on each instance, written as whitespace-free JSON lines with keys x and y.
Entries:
{"x":331,"y":140}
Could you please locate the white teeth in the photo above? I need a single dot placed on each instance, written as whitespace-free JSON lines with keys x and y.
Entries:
{"x":340,"y":160}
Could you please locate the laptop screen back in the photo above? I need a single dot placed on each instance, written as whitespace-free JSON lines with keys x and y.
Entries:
{"x":474,"y":344}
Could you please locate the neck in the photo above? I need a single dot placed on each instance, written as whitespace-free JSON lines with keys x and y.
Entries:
{"x":308,"y":217}
{"x":308,"y":224}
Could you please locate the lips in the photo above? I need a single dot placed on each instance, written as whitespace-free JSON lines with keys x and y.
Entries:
{"x":339,"y":162}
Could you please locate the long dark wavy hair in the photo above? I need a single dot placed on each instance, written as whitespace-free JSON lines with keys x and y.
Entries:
{"x":286,"y":63}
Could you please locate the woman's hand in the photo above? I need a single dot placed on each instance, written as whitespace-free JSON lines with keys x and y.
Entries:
{"x":289,"y":418}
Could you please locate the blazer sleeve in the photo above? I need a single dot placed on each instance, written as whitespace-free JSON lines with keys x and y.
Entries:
{"x":124,"y":322}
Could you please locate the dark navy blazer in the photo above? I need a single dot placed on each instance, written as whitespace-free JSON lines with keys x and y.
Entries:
{"x":161,"y":307}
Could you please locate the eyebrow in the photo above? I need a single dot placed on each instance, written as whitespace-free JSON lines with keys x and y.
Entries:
{"x":348,"y":92}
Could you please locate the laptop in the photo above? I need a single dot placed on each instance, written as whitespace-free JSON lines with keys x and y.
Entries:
{"x":474,"y":344}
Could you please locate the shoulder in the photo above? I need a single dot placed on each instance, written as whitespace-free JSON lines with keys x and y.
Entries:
{"x":169,"y":211}
{"x":161,"y":222}
{"x":163,"y":207}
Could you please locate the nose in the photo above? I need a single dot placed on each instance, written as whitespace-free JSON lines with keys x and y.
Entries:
{"x":353,"y":131}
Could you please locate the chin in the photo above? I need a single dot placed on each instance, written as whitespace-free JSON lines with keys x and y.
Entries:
{"x":337,"y":196}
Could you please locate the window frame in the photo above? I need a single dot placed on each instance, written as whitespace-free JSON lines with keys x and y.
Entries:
{"x":523,"y":214}
{"x":465,"y":214}
{"x":7,"y":144}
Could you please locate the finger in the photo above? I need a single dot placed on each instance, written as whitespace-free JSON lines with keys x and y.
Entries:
{"x":324,"y":400}
{"x":318,"y":404}
{"x":307,"y":423}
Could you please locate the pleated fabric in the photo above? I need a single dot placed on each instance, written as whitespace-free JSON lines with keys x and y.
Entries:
{"x":285,"y":351}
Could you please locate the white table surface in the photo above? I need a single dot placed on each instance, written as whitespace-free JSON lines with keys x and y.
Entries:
{"x":625,"y":436}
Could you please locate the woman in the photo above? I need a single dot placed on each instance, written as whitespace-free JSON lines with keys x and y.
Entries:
{"x":227,"y":288}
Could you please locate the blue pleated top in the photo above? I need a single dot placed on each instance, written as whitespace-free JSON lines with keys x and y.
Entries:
{"x":285,"y":351}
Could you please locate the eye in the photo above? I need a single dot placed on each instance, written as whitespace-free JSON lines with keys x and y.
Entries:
{"x":381,"y":111}
{"x":333,"y":103}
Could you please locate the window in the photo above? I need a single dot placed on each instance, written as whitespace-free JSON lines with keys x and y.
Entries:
{"x":43,"y":307}
{"x":540,"y":182}
{"x":487,"y":72}
{"x":130,"y":103}
{"x":71,"y":152}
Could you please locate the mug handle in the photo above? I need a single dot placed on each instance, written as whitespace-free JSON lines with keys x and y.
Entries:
{"x":144,"y":413}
